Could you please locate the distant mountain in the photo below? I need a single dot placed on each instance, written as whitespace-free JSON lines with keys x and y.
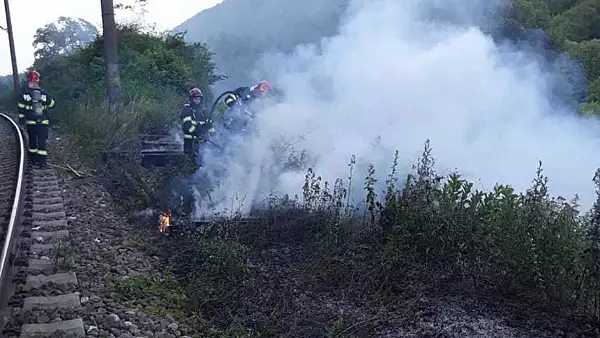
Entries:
{"x":240,"y":31}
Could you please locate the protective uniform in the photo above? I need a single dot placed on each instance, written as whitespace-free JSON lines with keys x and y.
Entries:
{"x":33,"y":106}
{"x":195,"y":123}
{"x":245,"y":95}
{"x":238,"y":116}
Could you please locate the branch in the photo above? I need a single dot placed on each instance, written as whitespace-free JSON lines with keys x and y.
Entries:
{"x":4,"y":29}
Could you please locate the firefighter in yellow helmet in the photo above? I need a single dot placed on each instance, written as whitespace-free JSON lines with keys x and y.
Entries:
{"x":33,"y":106}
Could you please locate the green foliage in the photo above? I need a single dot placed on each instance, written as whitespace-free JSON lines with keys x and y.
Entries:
{"x":216,"y":282}
{"x":160,"y":295}
{"x":5,"y":83}
{"x":573,"y":25}
{"x":440,"y":230}
{"x":529,"y":244}
{"x":589,"y":53}
{"x":532,"y":14}
{"x":7,"y":97}
{"x":559,"y":6}
{"x":336,"y":328}
{"x":63,"y":37}
{"x":152,"y":66}
{"x":590,"y":109}
{"x":7,"y":101}
{"x":213,"y":273}
{"x":131,"y":5}
{"x":156,"y":72}
{"x":579,"y":23}
{"x":594,"y":89}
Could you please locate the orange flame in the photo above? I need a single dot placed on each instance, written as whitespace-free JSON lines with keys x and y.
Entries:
{"x":164,"y":222}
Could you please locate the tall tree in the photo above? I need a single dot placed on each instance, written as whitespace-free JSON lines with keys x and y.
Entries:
{"x":111,"y":56}
{"x":63,"y":37}
{"x":5,"y":83}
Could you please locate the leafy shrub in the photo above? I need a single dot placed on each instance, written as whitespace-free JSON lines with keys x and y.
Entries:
{"x":156,"y":73}
{"x":529,"y":244}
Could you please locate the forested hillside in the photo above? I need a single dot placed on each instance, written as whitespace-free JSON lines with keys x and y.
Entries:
{"x":574,"y":26}
{"x":238,"y":38}
{"x":238,"y":31}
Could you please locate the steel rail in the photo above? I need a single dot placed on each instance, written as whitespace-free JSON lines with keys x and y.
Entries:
{"x":16,"y":207}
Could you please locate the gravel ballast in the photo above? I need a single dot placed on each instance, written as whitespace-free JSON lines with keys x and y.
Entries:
{"x":105,"y":251}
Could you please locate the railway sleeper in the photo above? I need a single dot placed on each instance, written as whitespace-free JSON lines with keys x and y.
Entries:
{"x":46,"y":302}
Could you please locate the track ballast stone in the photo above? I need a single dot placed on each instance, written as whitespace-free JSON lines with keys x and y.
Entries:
{"x":106,"y":252}
{"x":46,"y":302}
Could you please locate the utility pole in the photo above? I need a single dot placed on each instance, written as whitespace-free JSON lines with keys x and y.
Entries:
{"x":11,"y":45}
{"x":109,"y":32}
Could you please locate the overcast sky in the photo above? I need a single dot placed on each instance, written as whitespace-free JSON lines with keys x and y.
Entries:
{"x":28,"y":15}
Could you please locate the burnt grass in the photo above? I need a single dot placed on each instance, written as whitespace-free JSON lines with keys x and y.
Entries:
{"x":284,"y":276}
{"x":416,"y":272}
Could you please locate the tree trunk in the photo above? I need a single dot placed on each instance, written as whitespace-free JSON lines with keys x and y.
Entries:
{"x":109,"y":32}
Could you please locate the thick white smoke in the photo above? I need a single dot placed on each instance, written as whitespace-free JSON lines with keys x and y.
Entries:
{"x":392,"y":76}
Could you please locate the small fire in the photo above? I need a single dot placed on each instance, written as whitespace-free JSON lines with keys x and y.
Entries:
{"x":164,"y":222}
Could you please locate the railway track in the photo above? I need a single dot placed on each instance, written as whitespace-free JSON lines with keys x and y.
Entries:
{"x":39,"y":297}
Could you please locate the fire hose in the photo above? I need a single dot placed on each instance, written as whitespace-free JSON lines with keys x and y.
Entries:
{"x":213,"y":143}
{"x":212,"y":112}
{"x":214,"y":106}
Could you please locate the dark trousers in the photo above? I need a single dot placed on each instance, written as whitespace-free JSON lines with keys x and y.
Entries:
{"x":38,"y":136}
{"x":189,"y":146}
{"x":192,"y":150}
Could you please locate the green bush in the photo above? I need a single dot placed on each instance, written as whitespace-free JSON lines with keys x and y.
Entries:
{"x":573,"y":25}
{"x":156,"y":73}
{"x":438,"y":230}
{"x":528,"y":244}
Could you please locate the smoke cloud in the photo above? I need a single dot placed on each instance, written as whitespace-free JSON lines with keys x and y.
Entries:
{"x":401,"y":72}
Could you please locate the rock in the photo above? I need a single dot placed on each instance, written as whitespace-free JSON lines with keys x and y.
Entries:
{"x":164,"y":334}
{"x":43,"y":319}
{"x":130,"y":326}
{"x":105,"y":249}
{"x":173,"y":327}
{"x":113,"y":318}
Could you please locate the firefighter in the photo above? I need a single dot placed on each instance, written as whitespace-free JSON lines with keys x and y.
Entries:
{"x":33,"y":106}
{"x":195,"y":121}
{"x":245,"y":95}
{"x":239,"y":115}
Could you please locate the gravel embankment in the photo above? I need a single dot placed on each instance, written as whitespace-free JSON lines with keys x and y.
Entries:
{"x":105,"y":251}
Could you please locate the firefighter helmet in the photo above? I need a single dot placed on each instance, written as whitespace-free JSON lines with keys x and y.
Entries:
{"x":195,"y":92}
{"x":264,"y":87}
{"x":33,"y":76}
